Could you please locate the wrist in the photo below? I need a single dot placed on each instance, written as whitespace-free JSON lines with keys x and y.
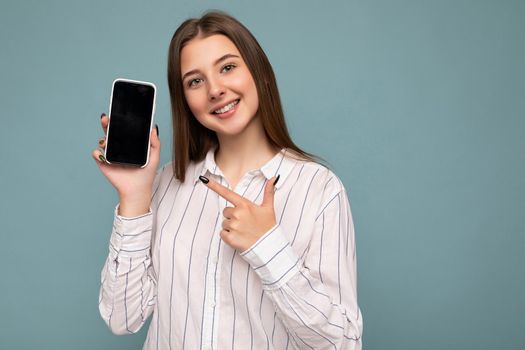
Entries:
{"x":134,"y":205}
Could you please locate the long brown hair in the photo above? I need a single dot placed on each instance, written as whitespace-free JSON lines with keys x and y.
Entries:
{"x":191,"y":140}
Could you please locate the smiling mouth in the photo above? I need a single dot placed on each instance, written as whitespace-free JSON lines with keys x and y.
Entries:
{"x":226,"y":108}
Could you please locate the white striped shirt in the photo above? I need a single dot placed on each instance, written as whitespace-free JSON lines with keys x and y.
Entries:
{"x":294,"y":288}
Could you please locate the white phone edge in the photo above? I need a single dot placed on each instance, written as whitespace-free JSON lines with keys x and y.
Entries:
{"x":152,"y":113}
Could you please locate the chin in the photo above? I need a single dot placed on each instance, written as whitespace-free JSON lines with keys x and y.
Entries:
{"x":234,"y":128}
{"x":230,"y":132}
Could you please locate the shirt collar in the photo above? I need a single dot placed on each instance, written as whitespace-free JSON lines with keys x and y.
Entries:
{"x":208,"y":164}
{"x":280,"y":164}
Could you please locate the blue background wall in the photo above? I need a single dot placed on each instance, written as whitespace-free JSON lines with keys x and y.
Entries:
{"x":418,"y":106}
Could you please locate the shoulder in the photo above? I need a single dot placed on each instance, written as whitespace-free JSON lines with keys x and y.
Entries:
{"x":319,"y":182}
{"x":321,"y":176}
{"x":328,"y":187}
{"x":166,"y":182}
{"x":167,"y":173}
{"x":163,"y":179}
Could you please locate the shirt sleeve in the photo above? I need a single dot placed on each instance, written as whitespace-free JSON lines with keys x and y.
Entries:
{"x":127,"y":293}
{"x":315,"y":296}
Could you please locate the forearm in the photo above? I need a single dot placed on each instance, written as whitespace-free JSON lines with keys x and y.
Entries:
{"x":127,"y":293}
{"x":313,"y":317}
{"x":310,"y":310}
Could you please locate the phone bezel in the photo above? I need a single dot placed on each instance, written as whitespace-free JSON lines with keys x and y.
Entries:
{"x":152,"y":117}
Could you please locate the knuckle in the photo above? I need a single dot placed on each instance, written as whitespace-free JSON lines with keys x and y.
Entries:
{"x":225,"y":235}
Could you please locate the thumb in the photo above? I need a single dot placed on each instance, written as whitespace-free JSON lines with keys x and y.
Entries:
{"x":269,"y":192}
{"x":155,"y":141}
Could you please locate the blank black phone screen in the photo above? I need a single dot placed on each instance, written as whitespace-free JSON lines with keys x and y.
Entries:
{"x":130,"y":122}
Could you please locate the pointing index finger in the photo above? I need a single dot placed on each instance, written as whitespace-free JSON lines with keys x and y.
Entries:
{"x":224,"y":192}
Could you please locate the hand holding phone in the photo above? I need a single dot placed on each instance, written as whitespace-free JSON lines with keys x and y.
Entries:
{"x":133,"y":183}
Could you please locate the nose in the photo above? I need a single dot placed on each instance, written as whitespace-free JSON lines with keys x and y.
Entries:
{"x":215,"y":89}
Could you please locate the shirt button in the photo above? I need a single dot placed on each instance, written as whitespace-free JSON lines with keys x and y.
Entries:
{"x":212,"y":304}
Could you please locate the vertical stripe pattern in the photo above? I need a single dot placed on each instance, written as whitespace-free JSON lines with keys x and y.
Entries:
{"x":295,"y":288}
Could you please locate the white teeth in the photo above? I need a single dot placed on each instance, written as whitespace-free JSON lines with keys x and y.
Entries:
{"x":226,"y":108}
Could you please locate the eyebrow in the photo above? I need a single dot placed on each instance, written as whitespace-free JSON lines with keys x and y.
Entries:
{"x":223,"y":58}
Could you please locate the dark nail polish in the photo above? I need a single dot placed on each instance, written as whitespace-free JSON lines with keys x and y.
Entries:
{"x":204,"y":179}
{"x":157,"y":127}
{"x":276,"y":179}
{"x":102,"y":158}
{"x":102,"y":115}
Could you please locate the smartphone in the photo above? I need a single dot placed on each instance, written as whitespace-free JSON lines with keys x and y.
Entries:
{"x":131,"y":111}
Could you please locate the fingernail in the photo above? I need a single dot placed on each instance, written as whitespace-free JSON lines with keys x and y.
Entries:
{"x":204,"y":179}
{"x":102,"y":158}
{"x":157,"y":127}
{"x":101,"y":142}
{"x":276,"y":179}
{"x":102,"y":115}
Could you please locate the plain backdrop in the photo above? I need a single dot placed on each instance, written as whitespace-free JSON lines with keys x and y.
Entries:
{"x":417,"y":105}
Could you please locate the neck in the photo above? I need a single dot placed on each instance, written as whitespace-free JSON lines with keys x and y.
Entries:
{"x":238,"y":154}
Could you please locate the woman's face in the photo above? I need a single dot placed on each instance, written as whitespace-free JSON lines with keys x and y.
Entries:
{"x":218,"y":86}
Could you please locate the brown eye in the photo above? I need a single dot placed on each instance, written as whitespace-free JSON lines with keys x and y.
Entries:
{"x":194,"y":82}
{"x":228,"y":67}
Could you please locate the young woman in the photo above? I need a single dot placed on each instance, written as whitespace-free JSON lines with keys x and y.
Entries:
{"x":244,"y":241}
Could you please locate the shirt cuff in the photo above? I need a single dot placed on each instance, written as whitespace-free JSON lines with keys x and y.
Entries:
{"x":273,"y":259}
{"x":131,"y":237}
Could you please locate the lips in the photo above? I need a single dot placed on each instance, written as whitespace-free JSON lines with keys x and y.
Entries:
{"x":226,"y":107}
